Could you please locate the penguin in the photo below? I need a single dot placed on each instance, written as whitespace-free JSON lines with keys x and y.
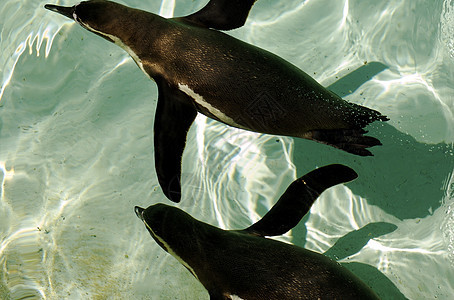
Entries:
{"x":244,"y":264}
{"x":200,"y":69}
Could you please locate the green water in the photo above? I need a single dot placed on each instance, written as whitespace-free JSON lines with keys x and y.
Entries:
{"x":76,"y":152}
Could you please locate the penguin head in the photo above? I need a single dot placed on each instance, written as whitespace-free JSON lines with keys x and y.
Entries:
{"x":168,"y":225}
{"x":154,"y":218}
{"x":98,"y":16}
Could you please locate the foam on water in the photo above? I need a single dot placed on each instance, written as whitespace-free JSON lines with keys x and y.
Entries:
{"x":76,"y":152}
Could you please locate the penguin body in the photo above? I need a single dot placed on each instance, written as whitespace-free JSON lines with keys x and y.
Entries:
{"x":198,"y":68}
{"x":244,"y":264}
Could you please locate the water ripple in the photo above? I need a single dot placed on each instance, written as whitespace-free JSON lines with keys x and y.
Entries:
{"x":76,"y":152}
{"x":447,"y":226}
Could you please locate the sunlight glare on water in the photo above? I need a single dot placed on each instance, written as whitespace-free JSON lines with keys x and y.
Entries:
{"x":76,"y":152}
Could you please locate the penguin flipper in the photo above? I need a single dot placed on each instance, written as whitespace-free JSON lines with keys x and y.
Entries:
{"x":297,"y":200}
{"x":222,"y":14}
{"x":172,"y":121}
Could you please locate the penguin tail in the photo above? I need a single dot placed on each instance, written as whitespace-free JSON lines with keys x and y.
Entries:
{"x":350,"y":140}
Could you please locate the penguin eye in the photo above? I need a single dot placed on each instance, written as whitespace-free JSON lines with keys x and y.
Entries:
{"x":75,"y":17}
{"x":78,"y":10}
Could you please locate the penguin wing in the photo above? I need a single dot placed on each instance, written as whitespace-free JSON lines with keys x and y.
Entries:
{"x":172,"y":121}
{"x":297,"y":200}
{"x":222,"y":14}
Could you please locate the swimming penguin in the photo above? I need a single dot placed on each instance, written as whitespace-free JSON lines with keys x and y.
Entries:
{"x":198,"y":68}
{"x":243,"y":264}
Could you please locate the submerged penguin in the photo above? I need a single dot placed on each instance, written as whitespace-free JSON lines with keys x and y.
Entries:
{"x":200,"y":69}
{"x":243,"y":264}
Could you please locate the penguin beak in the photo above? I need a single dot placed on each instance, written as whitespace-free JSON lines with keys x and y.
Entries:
{"x":66,"y":11}
{"x":139,"y":212}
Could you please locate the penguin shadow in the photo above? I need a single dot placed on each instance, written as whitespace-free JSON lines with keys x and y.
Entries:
{"x":352,"y":243}
{"x":403,"y":178}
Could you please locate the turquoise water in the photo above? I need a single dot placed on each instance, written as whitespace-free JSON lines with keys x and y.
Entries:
{"x":76,"y":152}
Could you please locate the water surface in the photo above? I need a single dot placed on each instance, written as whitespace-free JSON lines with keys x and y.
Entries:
{"x":76,"y":152}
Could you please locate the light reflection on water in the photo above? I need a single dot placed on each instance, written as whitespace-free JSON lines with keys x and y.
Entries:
{"x":76,"y":153}
{"x":447,"y":225}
